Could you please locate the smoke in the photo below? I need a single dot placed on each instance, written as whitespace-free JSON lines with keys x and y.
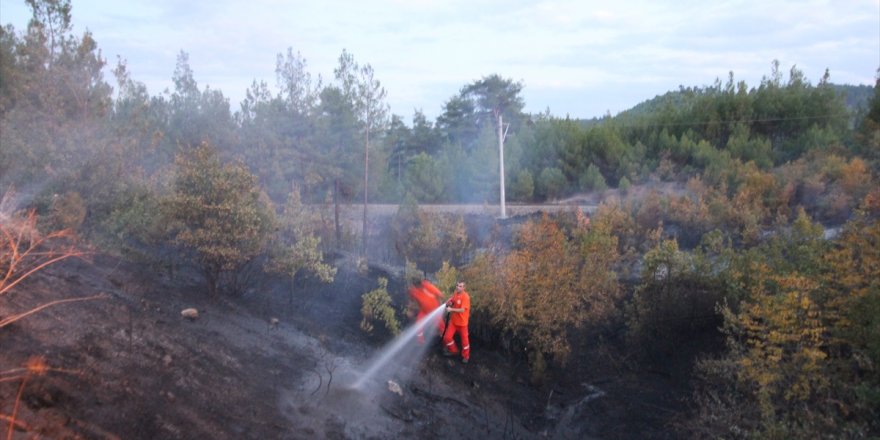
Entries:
{"x":14,"y":201}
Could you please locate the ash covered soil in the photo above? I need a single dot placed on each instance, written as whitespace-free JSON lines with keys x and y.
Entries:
{"x":129,"y":366}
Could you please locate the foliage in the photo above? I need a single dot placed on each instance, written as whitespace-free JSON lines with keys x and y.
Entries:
{"x":429,"y":239}
{"x":624,"y":185}
{"x":411,"y":271}
{"x":672,"y":311}
{"x":366,"y":97}
{"x":598,"y":257}
{"x":523,"y":187}
{"x":377,"y":307}
{"x":296,"y":248}
{"x":218,"y":214}
{"x":802,"y":343}
{"x":549,"y":284}
{"x":551,"y":183}
{"x":446,"y":277}
{"x":68,"y":211}
{"x":868,"y":133}
{"x":592,"y":180}
{"x":56,"y":100}
{"x":424,"y":179}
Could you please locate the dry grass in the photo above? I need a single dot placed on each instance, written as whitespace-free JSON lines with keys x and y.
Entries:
{"x":24,"y":251}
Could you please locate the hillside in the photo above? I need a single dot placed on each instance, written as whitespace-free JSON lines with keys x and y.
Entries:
{"x":130,"y":366}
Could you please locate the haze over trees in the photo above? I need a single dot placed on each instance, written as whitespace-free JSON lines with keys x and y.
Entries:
{"x":737,"y":274}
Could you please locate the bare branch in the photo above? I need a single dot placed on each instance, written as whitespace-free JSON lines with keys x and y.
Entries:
{"x":13,"y":318}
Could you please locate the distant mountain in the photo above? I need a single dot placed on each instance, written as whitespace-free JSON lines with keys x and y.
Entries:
{"x":856,"y":98}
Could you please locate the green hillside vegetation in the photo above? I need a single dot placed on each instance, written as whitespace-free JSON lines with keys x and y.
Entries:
{"x":733,"y":276}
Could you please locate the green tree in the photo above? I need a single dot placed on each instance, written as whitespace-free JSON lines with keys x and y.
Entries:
{"x":337,"y":136}
{"x":593,"y":180}
{"x":424,"y":179}
{"x":624,"y":185}
{"x":218,"y":214}
{"x":868,"y":134}
{"x":360,"y":87}
{"x":551,"y":183}
{"x":196,"y":116}
{"x":277,"y":132}
{"x":523,"y":187}
{"x":747,"y":148}
{"x":296,"y":248}
{"x":54,"y":99}
{"x":498,"y":97}
{"x":458,"y":123}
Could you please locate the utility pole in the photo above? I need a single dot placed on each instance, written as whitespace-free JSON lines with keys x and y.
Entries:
{"x":501,"y":136}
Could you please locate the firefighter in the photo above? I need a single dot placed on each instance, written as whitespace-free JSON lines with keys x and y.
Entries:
{"x":428,"y":297}
{"x":459,"y":308}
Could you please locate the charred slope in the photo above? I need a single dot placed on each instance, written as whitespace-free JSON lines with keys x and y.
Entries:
{"x":130,"y":366}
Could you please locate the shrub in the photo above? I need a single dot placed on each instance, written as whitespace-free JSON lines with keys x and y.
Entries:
{"x":377,"y":307}
{"x":218,"y":213}
{"x":68,"y":211}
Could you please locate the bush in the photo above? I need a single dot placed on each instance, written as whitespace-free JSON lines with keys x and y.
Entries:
{"x":68,"y":211}
{"x":219,"y":214}
{"x":377,"y":307}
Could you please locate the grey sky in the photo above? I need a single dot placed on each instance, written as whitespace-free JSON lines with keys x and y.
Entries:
{"x":577,"y":58}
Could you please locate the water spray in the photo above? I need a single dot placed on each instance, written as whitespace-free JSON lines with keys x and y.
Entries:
{"x":408,"y":337}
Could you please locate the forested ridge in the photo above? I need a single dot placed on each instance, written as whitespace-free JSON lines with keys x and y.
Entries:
{"x":760,"y":274}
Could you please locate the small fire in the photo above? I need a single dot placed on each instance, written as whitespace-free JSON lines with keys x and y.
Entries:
{"x":37,"y":366}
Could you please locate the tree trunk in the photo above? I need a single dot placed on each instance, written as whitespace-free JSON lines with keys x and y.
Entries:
{"x":336,"y":213}
{"x":366,"y":188}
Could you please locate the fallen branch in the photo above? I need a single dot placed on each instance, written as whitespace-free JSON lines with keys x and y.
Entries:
{"x":9,"y":320}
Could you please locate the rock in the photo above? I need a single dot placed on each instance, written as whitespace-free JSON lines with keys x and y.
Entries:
{"x":191,"y":314}
{"x":395,"y":388}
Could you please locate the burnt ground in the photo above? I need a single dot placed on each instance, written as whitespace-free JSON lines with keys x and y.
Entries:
{"x":129,"y":366}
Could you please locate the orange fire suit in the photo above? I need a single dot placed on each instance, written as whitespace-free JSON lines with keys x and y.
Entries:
{"x":428,"y":297}
{"x":458,"y":323}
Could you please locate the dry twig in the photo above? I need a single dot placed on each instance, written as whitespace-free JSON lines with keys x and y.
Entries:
{"x":10,"y":319}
